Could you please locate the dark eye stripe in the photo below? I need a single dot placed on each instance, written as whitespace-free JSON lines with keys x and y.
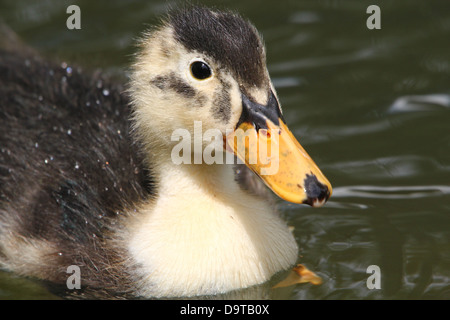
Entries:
{"x":171,"y":81}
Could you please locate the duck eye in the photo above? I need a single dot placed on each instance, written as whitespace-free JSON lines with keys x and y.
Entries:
{"x":200,"y":70}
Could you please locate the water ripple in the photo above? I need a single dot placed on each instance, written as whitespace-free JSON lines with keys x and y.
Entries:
{"x":430,"y":102}
{"x":388,"y":167}
{"x":307,"y":63}
{"x":322,"y":133}
{"x":391,"y":192}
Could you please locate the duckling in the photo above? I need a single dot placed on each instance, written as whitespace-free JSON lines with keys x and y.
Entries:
{"x":87,"y":176}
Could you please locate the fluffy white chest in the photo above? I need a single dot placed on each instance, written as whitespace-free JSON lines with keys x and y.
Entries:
{"x":194,"y":241}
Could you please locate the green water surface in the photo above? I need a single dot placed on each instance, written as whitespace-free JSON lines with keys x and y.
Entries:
{"x":372,"y":107}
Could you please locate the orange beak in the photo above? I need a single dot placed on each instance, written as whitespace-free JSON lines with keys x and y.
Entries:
{"x":266,"y":145}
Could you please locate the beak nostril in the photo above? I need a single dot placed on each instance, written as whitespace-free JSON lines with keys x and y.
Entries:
{"x":265,"y":132}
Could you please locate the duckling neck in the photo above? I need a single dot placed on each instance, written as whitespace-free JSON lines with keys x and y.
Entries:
{"x":204,"y":235}
{"x":197,"y":180}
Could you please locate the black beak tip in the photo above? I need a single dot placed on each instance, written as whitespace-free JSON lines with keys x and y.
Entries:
{"x":316,"y":192}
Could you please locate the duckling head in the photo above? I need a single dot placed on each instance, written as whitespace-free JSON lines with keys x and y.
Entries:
{"x":209,"y":67}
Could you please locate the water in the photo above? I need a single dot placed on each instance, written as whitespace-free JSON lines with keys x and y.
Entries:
{"x":372,"y":107}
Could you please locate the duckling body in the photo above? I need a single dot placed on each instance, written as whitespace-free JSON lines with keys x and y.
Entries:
{"x":69,"y":168}
{"x":86,"y":176}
